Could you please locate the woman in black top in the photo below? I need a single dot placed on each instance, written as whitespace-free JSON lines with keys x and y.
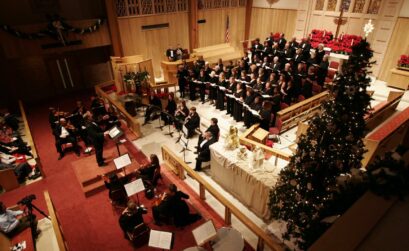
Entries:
{"x":170,"y":109}
{"x":147,"y":172}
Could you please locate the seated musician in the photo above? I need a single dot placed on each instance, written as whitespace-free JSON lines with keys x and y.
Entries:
{"x":12,"y":222}
{"x":213,"y":128}
{"x":131,"y":217}
{"x":77,"y":120}
{"x":173,"y":206}
{"x":170,"y":109}
{"x":192,"y":122}
{"x":114,"y":183}
{"x":65,"y":133}
{"x":154,"y":105}
{"x":147,"y":172}
{"x":203,"y":151}
{"x":180,"y":115}
{"x":53,"y":117}
{"x":97,"y":106}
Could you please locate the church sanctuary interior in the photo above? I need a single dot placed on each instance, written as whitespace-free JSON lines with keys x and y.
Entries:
{"x":194,"y":125}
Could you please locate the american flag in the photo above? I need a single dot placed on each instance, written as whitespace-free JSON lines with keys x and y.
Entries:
{"x":227,"y":37}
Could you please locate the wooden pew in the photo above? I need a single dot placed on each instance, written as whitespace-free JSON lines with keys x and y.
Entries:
{"x":174,"y":162}
{"x":383,"y":110}
{"x":62,"y":244}
{"x":392,"y":133}
{"x":300,"y":111}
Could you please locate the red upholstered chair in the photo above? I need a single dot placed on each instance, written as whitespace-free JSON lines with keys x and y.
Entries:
{"x":275,"y":131}
{"x":334,"y":65}
{"x":316,"y":88}
{"x":330,"y":75}
{"x":283,"y":105}
{"x":301,"y":98}
{"x":140,"y":235}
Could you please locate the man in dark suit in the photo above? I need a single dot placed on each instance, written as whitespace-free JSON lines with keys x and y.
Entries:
{"x":97,"y":137}
{"x":192,"y":122}
{"x":171,"y":54}
{"x":65,"y":134}
{"x":213,"y":128}
{"x":203,"y":152}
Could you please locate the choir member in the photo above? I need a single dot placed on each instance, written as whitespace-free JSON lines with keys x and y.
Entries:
{"x":231,"y":88}
{"x":239,"y":95}
{"x":322,"y":70}
{"x":265,"y":114}
{"x":202,"y":79}
{"x":293,"y":43}
{"x":182,"y":74}
{"x":281,"y":41}
{"x":221,"y":85}
{"x":320,"y":53}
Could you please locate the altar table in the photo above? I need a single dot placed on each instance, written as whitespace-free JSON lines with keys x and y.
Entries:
{"x":250,"y":186}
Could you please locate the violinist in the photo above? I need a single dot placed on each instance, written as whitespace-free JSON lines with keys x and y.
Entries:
{"x":147,"y":172}
{"x":154,"y":105}
{"x":65,"y":133}
{"x":109,"y":120}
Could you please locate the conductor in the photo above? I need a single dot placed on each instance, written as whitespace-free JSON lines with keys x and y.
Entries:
{"x":97,"y":137}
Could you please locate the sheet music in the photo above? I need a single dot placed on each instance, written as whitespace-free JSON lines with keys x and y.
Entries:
{"x":266,"y":96}
{"x":254,"y":112}
{"x":134,"y":187}
{"x":160,"y":239}
{"x":114,"y":132}
{"x":246,"y":106}
{"x":222,"y":88}
{"x":204,"y":232}
{"x":122,"y":161}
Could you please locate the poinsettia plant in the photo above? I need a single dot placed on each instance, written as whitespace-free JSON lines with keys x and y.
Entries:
{"x":403,"y":61}
{"x":341,"y":45}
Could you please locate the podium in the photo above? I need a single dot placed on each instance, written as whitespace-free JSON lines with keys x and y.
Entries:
{"x":170,"y":69}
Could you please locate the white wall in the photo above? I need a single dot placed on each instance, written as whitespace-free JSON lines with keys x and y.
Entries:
{"x":404,"y":11}
{"x":281,"y":4}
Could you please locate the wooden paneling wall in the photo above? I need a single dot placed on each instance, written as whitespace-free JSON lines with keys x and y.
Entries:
{"x":398,"y":45}
{"x":152,"y":44}
{"x":12,"y":47}
{"x":264,"y":21}
{"x":213,"y":31}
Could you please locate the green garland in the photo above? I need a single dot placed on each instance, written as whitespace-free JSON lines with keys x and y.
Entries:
{"x":55,"y":25}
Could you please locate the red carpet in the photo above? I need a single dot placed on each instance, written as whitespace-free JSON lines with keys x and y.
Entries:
{"x":91,"y":223}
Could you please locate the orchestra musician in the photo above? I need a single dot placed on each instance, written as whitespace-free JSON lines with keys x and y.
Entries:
{"x":154,"y":105}
{"x":180,"y":115}
{"x":65,"y":133}
{"x":147,"y":172}
{"x":203,"y":151}
{"x":213,"y":128}
{"x":170,"y":108}
{"x":192,"y":122}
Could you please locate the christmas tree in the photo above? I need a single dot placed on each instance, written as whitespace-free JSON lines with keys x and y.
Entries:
{"x":308,"y":187}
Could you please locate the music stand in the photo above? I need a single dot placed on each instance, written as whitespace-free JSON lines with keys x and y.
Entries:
{"x":204,"y":233}
{"x":135,"y":187}
{"x":160,"y":122}
{"x":122,"y":161}
{"x":160,"y":239}
{"x":184,"y":142}
{"x":115,"y":133}
{"x":170,"y":119}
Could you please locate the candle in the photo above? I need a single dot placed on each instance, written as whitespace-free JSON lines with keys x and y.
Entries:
{"x":352,"y":43}
{"x":324,"y":34}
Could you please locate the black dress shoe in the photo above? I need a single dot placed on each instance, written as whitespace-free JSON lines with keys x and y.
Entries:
{"x":61,"y":156}
{"x":77,"y":153}
{"x":103,"y":164}
{"x":197,"y":170}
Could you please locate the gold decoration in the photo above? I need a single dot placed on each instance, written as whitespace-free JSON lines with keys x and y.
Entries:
{"x":232,"y":139}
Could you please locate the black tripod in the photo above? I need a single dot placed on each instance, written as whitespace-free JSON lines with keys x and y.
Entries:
{"x":31,"y":218}
{"x":160,"y":123}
